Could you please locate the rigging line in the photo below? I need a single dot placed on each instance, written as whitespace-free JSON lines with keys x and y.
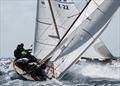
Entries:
{"x":105,"y":26}
{"x":53,"y":19}
{"x":68,"y":30}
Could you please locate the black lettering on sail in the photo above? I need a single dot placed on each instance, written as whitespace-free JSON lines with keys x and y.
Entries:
{"x":63,"y":6}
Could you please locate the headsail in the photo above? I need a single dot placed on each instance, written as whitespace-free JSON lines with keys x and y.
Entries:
{"x":90,"y":26}
{"x":87,"y":33}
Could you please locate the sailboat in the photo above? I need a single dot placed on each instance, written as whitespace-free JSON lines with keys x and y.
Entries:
{"x":65,"y":29}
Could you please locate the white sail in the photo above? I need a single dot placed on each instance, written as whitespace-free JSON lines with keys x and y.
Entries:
{"x":90,"y":26}
{"x":90,"y":6}
{"x":67,"y":12}
{"x":81,"y":39}
{"x":46,"y":37}
{"x":54,"y":15}
{"x":97,"y":50}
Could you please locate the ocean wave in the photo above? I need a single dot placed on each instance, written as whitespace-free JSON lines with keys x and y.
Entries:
{"x":85,"y":74}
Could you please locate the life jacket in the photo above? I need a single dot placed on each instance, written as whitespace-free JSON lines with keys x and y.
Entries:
{"x":24,"y":53}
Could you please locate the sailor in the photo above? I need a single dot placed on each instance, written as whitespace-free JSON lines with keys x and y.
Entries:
{"x":17,"y":52}
{"x":24,"y":52}
{"x":22,"y":63}
{"x":20,"y":52}
{"x":40,"y":71}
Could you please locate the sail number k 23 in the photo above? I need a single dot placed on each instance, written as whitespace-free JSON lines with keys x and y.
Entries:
{"x":63,"y":6}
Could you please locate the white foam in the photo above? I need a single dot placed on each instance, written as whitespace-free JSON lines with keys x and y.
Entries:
{"x":97,"y":71}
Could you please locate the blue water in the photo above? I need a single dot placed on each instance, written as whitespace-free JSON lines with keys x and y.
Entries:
{"x":84,"y":74}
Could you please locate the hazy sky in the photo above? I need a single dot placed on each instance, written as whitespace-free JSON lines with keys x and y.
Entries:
{"x":17,"y":24}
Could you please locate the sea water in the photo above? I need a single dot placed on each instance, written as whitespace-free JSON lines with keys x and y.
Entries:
{"x":83,"y":74}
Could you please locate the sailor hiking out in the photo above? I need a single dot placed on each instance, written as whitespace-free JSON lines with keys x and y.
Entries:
{"x":29,"y":64}
{"x":20,"y":52}
{"x":39,"y":73}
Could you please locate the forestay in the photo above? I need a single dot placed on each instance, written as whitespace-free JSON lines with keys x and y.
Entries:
{"x":81,"y":38}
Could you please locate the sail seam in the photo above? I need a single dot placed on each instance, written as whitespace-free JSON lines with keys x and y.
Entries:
{"x":44,"y":22}
{"x":88,"y":32}
{"x":45,"y":43}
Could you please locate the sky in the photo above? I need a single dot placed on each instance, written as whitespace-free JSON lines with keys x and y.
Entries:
{"x":17,"y":25}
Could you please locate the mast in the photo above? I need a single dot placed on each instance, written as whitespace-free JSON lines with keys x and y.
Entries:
{"x":55,"y":24}
{"x":36,"y":24}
